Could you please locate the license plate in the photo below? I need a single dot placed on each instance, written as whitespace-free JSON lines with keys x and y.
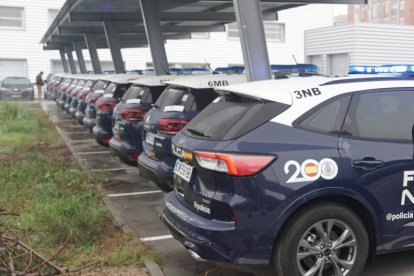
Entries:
{"x":183,"y":170}
{"x":150,"y":138}
{"x":16,"y":96}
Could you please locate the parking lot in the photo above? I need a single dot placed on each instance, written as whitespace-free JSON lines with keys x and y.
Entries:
{"x":136,"y":204}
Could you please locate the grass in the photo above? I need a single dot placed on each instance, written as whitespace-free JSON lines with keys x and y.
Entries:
{"x":56,"y":201}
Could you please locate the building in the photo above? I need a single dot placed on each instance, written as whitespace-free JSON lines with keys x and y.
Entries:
{"x":23,"y":23}
{"x":400,"y":12}
{"x":335,"y":48}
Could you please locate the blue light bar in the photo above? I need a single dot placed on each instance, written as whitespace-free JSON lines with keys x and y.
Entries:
{"x":188,"y":71}
{"x":382,"y":69}
{"x":295,"y":68}
{"x":229,"y":70}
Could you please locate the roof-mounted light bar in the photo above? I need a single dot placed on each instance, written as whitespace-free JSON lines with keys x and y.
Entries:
{"x":382,"y":69}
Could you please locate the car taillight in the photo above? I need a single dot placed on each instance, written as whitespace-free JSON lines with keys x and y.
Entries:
{"x":233,"y":164}
{"x":171,"y":126}
{"x":132,"y":114}
{"x":106,"y":105}
{"x":82,"y":96}
{"x":94,"y":98}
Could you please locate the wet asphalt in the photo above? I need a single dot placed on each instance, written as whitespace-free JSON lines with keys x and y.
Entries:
{"x":136,"y":204}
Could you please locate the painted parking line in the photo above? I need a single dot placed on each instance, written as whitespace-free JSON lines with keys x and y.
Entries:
{"x":112,"y":169}
{"x":62,"y":120}
{"x":74,"y":132}
{"x":136,"y":193}
{"x":156,"y":238}
{"x":81,"y":141}
{"x":93,"y":152}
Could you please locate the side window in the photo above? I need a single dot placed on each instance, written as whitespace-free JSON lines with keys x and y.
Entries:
{"x":325,"y":118}
{"x":382,"y":116}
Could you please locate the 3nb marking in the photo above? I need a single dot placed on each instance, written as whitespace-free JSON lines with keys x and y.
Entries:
{"x":305,"y":93}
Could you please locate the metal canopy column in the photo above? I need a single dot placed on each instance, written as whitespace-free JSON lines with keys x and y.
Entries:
{"x":72,"y":65}
{"x":151,"y":16}
{"x":64,"y":61}
{"x":253,"y":40}
{"x":93,"y":53}
{"x":81,"y":60}
{"x":114,"y":46}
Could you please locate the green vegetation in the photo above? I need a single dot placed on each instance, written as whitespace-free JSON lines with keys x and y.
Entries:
{"x":57,"y":202}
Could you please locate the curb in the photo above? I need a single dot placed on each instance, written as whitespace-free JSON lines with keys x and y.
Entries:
{"x":152,"y":267}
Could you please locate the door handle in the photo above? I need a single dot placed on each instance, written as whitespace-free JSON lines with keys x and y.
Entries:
{"x":368,"y":163}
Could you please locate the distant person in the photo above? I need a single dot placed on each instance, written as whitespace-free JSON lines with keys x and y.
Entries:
{"x":39,"y":84}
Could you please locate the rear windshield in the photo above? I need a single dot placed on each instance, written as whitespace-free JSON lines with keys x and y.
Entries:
{"x":88,"y":84}
{"x":189,"y":99}
{"x":232,"y":116}
{"x":81,"y":83}
{"x":144,"y":93}
{"x":100,"y":85}
{"x":110,"y":89}
{"x":172,"y":97}
{"x":135,"y":92}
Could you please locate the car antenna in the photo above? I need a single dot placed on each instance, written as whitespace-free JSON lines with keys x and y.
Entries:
{"x":209,"y":67}
{"x":294,"y":58}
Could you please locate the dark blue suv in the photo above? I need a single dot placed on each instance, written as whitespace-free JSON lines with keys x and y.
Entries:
{"x":104,"y":107}
{"x":312,"y":175}
{"x":181,"y":101}
{"x":128,"y":116}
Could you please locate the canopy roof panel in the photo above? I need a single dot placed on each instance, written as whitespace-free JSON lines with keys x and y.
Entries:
{"x":179,"y":18}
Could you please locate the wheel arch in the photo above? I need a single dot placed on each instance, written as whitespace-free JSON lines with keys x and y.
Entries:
{"x":348,"y":199}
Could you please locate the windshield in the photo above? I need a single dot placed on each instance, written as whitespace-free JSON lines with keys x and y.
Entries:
{"x":16,"y":82}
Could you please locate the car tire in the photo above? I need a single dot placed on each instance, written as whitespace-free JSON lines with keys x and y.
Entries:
{"x":300,"y":238}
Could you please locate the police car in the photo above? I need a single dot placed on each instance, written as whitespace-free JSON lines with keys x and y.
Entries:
{"x":129,"y":114}
{"x":312,"y":175}
{"x":181,"y":101}
{"x":105,"y":104}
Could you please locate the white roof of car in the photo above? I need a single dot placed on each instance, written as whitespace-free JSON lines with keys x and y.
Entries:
{"x":156,"y":80}
{"x":288,"y":91}
{"x":120,"y":78}
{"x":208,"y":81}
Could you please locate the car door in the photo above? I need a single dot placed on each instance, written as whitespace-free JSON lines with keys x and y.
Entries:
{"x":376,"y":148}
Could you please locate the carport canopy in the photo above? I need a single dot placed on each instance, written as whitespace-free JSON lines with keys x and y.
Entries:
{"x":128,"y":20}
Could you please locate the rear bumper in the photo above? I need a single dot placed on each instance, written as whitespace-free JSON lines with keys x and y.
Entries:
{"x":72,"y":111}
{"x":19,"y":98}
{"x":196,"y":232}
{"x":79,"y":117}
{"x":158,"y":172}
{"x":213,"y":240}
{"x":101,"y":136}
{"x":89,"y":123}
{"x":124,"y":151}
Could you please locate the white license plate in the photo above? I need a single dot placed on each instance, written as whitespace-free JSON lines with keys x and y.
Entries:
{"x":150,"y":138}
{"x":183,"y":170}
{"x":16,"y":96}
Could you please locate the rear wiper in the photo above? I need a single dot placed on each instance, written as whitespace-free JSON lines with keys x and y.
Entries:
{"x":198,"y":132}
